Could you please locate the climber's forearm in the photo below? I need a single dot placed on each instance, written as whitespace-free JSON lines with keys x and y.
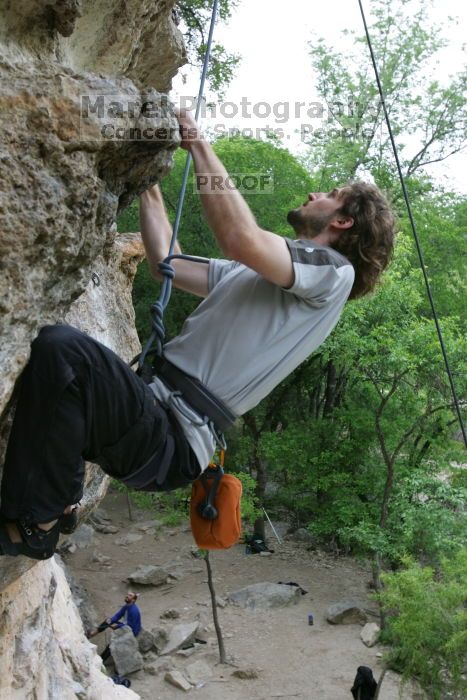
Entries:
{"x":226,"y":212}
{"x":156,"y":230}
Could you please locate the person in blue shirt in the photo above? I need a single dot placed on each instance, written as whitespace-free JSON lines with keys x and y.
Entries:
{"x":131,"y":618}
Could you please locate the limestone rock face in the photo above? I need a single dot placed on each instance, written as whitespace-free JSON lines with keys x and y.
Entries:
{"x":64,"y":175}
{"x":64,"y":179}
{"x":43,"y":650}
{"x":136,"y":38}
{"x":31,"y":594}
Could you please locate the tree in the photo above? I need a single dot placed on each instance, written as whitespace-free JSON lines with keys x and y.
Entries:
{"x":195,"y":17}
{"x":421,"y":110}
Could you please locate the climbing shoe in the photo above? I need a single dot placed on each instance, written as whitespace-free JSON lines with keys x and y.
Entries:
{"x":69,"y":522}
{"x":35,"y":542}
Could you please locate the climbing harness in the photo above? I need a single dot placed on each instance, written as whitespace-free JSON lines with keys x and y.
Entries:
{"x":412,"y":223}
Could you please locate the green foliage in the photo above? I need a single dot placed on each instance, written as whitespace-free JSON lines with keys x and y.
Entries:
{"x":427,"y":624}
{"x":195,"y":18}
{"x":170,"y":507}
{"x":249,"y":505}
{"x":405,"y":43}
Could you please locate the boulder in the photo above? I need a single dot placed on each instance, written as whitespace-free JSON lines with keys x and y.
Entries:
{"x":82,"y":537}
{"x":160,"y":637}
{"x":145,"y":641}
{"x":346,"y":613}
{"x":370,"y":633}
{"x":263,"y":596}
{"x":304,"y":535}
{"x":149,"y":575}
{"x":180,"y":636}
{"x":125,"y":652}
{"x":394,"y":687}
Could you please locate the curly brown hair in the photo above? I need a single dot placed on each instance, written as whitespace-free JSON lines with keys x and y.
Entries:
{"x":369,"y":243}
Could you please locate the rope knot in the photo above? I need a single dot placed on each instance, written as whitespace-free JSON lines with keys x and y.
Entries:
{"x":166,"y":269}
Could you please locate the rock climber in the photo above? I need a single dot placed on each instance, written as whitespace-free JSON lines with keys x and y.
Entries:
{"x":264,"y":310}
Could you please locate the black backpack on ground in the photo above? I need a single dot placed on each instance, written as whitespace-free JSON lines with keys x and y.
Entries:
{"x":364,"y":685}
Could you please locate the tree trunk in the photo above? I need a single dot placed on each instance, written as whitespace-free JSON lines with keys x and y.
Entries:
{"x":220,"y":639}
{"x":260,"y":490}
{"x":331,"y":386}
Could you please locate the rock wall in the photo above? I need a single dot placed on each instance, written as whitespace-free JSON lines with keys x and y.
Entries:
{"x":63,"y":182}
{"x":44,"y":653}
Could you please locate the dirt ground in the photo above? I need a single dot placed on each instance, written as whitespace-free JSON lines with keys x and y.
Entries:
{"x":293,"y":659}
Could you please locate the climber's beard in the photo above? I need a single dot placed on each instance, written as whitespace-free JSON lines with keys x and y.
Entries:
{"x":309,"y":224}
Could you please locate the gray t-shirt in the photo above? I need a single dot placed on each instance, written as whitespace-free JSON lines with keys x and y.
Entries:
{"x":248,"y":334}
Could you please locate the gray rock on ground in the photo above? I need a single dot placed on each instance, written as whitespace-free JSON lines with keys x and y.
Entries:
{"x":346,"y":613}
{"x":83,"y":537}
{"x":246,"y":674}
{"x":125,"y":652}
{"x":105,"y":528}
{"x":129,"y":538}
{"x":394,"y":687}
{"x":160,"y":638}
{"x":180,"y":636}
{"x":264,"y":596}
{"x":100,"y":515}
{"x":280,"y":526}
{"x":303,"y":535}
{"x":369,"y":634}
{"x":198,"y":672}
{"x":146,"y":641}
{"x":178,"y":680}
{"x":149,"y":575}
{"x":103,"y":559}
{"x":156,"y":666}
{"x":149,"y":525}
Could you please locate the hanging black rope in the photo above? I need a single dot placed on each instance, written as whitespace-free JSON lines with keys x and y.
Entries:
{"x":156,"y":341}
{"x":414,"y":230}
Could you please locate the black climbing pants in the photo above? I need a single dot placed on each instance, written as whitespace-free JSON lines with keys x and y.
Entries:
{"x":79,"y":401}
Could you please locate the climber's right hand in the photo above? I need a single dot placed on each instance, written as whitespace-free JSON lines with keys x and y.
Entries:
{"x":189,"y":129}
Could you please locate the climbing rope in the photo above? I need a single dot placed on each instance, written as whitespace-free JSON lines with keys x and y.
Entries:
{"x":156,"y":341}
{"x":414,"y":229}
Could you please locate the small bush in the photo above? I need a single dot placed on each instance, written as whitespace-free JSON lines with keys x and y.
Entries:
{"x":427,"y":624}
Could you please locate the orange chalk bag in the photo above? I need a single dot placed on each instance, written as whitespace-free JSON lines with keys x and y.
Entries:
{"x":215,"y":508}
